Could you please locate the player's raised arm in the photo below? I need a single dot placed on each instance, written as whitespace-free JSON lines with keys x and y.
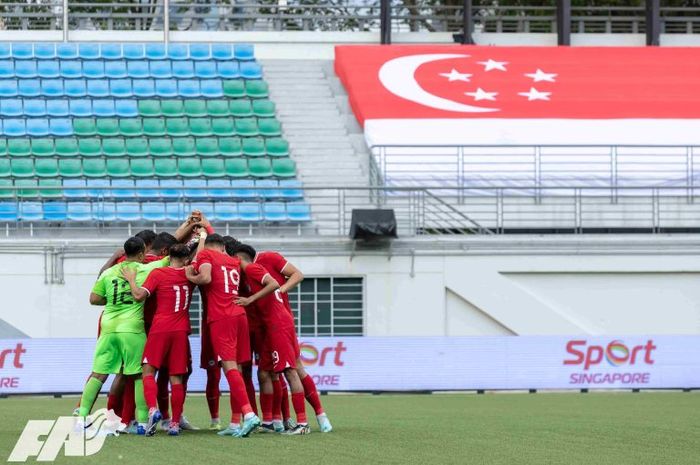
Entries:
{"x":270,"y":286}
{"x":294,"y":277}
{"x":138,"y":293}
{"x":182,"y":233}
{"x":203,"y":277}
{"x":119,"y":253}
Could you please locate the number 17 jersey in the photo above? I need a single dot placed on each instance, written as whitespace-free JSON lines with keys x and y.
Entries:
{"x":221,"y":293}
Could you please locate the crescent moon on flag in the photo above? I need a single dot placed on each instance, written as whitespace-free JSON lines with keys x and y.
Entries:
{"x":398,"y":76}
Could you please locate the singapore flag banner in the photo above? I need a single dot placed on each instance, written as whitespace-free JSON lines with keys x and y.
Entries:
{"x":475,"y":95}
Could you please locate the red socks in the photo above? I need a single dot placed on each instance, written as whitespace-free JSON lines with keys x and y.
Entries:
{"x":128,"y":402}
{"x":276,"y":400}
{"x":250,"y":391}
{"x":311,"y":394}
{"x":299,"y":406}
{"x":163,"y":394}
{"x":178,"y":400}
{"x":150,"y":391}
{"x":212,"y":391}
{"x":266,"y":406}
{"x":285,"y":399}
{"x":239,"y":398}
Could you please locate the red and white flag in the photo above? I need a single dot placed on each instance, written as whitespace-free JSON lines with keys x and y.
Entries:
{"x":477,"y":95}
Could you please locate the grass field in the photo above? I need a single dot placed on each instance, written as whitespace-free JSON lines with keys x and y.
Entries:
{"x":595,"y":428}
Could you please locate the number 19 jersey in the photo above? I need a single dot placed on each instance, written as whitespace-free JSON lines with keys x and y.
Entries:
{"x":221,"y":293}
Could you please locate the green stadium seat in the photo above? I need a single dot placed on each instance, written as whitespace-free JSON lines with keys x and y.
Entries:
{"x":234,"y":88}
{"x":150,"y":107}
{"x":115,"y":147}
{"x":84,"y":127}
{"x":46,"y":168}
{"x":284,"y":168}
{"x":213,"y":168}
{"x":253,"y":147}
{"x":263,"y":108}
{"x":236,"y":168}
{"x":260,"y":167}
{"x":19,"y":147}
{"x":240,"y":108}
{"x":67,"y":147}
{"x":230,"y":147}
{"x":269,"y":127}
{"x":165,"y":167}
{"x":277,"y":147}
{"x":183,"y":147}
{"x":137,"y":147}
{"x":247,"y":127}
{"x":117,"y":168}
{"x":70,"y":167}
{"x":154,"y":127}
{"x":3,"y":147}
{"x":6,"y":191}
{"x":201,"y":127}
{"x":207,"y":147}
{"x":177,"y":127}
{"x":43,"y":147}
{"x":172,"y":108}
{"x":142,"y":168}
{"x":96,"y":168}
{"x":218,"y":108}
{"x":5,"y":169}
{"x":160,"y":147}
{"x":256,"y":89}
{"x":195,"y":108}
{"x":29,"y":188}
{"x":130,"y":127}
{"x":223,"y":127}
{"x":90,"y":147}
{"x":22,"y":168}
{"x":189,"y":167}
{"x":50,"y":193}
{"x":107,"y":127}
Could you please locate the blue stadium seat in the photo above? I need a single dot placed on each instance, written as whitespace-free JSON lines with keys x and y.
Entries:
{"x":76,"y":189}
{"x":226,"y":211}
{"x":219,"y":188}
{"x":48,"y":69}
{"x":80,"y":107}
{"x":161,"y":70}
{"x":7,"y":69}
{"x":222,"y":52}
{"x":244,"y":52}
{"x":128,"y":211}
{"x":189,"y":88}
{"x":115,"y":69}
{"x":67,"y":51}
{"x":31,"y":211}
{"x":200,"y":51}
{"x":212,"y":88}
{"x":60,"y":127}
{"x":8,"y":211}
{"x":171,"y":188}
{"x":8,"y":88}
{"x":11,"y":107}
{"x":5,"y":50}
{"x":94,"y":69}
{"x":207,"y":208}
{"x":55,"y":211}
{"x":120,"y":88}
{"x":166,"y":88}
{"x":143,"y":192}
{"x":26,"y":69}
{"x":269,"y":188}
{"x":274,"y":211}
{"x":52,"y":87}
{"x":291,"y":189}
{"x":111,"y":51}
{"x":45,"y":51}
{"x":249,"y":211}
{"x":88,"y":51}
{"x":183,"y":69}
{"x":134,"y":51}
{"x":98,"y":87}
{"x":80,"y":211}
{"x":137,"y":69}
{"x":76,"y":88}
{"x":154,"y":211}
{"x":191,"y":191}
{"x":144,"y":87}
{"x":243,"y":189}
{"x":57,"y":108}
{"x":104,"y":211}
{"x":298,"y":211}
{"x":14,"y":127}
{"x":22,"y":51}
{"x":228,"y":70}
{"x":250,"y":70}
{"x":178,"y":51}
{"x":71,"y":69}
{"x":35,"y":107}
{"x":126,"y":108}
{"x":174,"y":211}
{"x":205,"y":69}
{"x":123,"y":189}
{"x":156,"y":51}
{"x":99,"y":188}
{"x":103,"y":107}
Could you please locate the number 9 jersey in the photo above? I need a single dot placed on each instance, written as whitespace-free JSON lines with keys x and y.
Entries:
{"x":221,"y":293}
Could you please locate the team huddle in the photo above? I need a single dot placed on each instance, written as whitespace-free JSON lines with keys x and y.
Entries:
{"x":146,"y":289}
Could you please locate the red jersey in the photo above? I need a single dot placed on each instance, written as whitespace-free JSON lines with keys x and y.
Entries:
{"x":173,"y":292}
{"x":274,"y":263}
{"x":147,"y":259}
{"x":271,"y":308}
{"x":221,"y":293}
{"x":149,"y":308}
{"x":250,"y":311}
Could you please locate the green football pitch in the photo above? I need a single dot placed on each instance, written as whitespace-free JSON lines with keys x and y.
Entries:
{"x":543,"y":428}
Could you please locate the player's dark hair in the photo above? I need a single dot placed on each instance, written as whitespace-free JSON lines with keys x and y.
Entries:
{"x":230,"y":244}
{"x":162,"y":241}
{"x":179,"y":251}
{"x":247,"y":250}
{"x":147,"y":236}
{"x":134,"y":246}
{"x":213,"y":239}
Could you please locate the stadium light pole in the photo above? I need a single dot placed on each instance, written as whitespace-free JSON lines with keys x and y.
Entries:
{"x":385,"y":22}
{"x":467,"y":23}
{"x":653,"y":19}
{"x":166,"y":21}
{"x":564,"y":22}
{"x":65,"y":20}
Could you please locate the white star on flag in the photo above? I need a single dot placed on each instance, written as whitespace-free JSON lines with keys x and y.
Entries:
{"x":493,"y":64}
{"x":455,"y":75}
{"x":540,"y":75}
{"x":535,"y":94}
{"x":481,"y":94}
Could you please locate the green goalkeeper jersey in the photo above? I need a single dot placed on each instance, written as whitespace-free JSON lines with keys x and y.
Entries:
{"x":122,"y":314}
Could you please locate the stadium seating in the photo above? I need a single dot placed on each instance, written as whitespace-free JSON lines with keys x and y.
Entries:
{"x":130,"y":132}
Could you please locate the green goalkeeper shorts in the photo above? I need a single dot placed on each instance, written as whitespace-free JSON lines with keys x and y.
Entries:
{"x":117,"y":350}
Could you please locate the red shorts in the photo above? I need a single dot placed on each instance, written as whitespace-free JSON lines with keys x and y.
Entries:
{"x":170,"y":349}
{"x":230,"y":339}
{"x":257,"y":339}
{"x":282,"y":348}
{"x":207,"y":358}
